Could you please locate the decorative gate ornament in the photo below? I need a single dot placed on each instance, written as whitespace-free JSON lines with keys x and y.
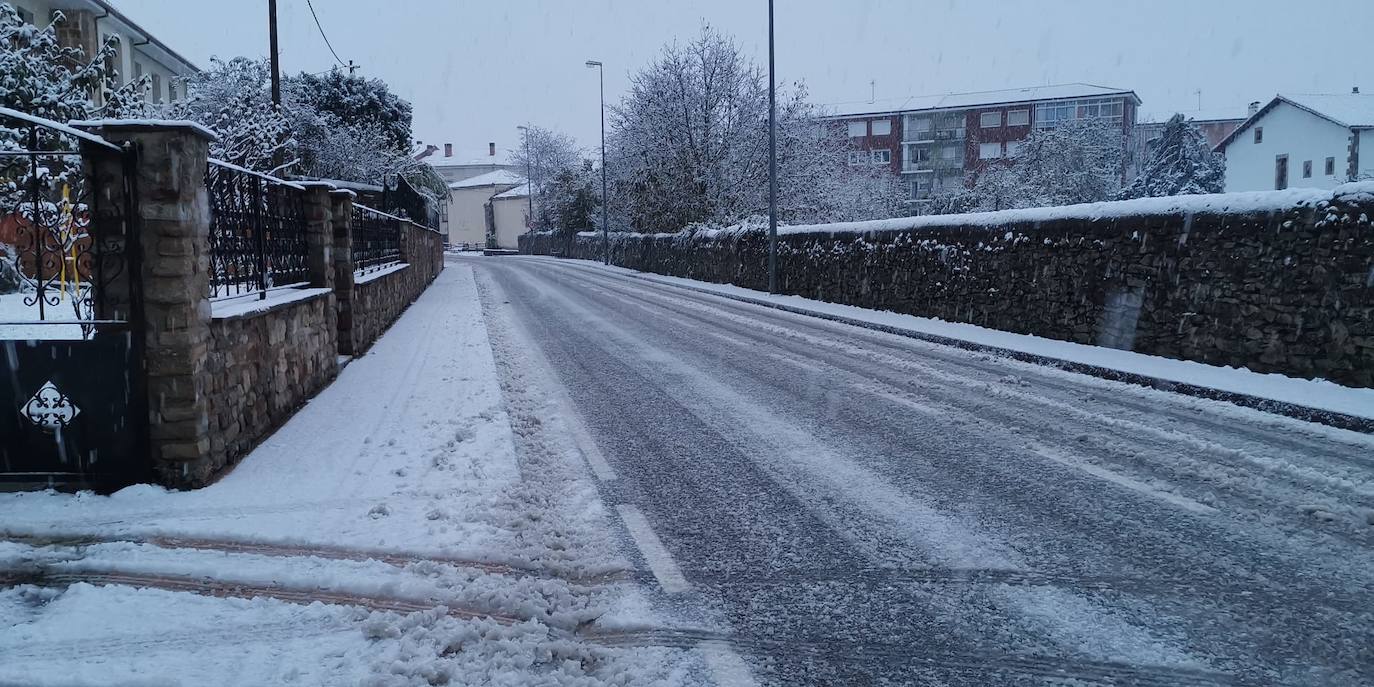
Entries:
{"x":50,"y":409}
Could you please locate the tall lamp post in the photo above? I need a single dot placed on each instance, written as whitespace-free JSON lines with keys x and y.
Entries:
{"x":605,"y":227}
{"x":529,"y":177}
{"x":772,"y":163}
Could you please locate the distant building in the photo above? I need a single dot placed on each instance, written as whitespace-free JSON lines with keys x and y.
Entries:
{"x":138,"y":54}
{"x":510,"y":213}
{"x":1317,"y":141}
{"x":937,"y":143}
{"x":463,"y":164}
{"x":470,"y":206}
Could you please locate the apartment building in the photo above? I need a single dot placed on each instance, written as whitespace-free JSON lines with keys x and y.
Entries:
{"x":139,"y":53}
{"x":939,"y":143}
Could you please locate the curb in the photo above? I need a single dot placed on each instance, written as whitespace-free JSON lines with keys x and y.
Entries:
{"x":1329,"y":418}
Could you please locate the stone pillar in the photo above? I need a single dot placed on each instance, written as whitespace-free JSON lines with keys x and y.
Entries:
{"x":173,"y":222}
{"x":319,"y":234}
{"x":341,"y":209}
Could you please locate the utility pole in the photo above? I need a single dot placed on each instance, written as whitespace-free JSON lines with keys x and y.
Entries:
{"x":352,"y":67}
{"x":276,"y":62}
{"x":605,"y":223}
{"x":772,"y":162}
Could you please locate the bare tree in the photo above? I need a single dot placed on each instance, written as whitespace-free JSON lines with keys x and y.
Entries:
{"x":1076,"y":162}
{"x":689,"y":144}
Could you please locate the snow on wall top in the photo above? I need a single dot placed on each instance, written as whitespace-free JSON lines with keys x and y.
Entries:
{"x":498,"y":177}
{"x":1213,"y":203}
{"x":521,"y":191}
{"x":1351,"y":109}
{"x":165,"y":123}
{"x":975,"y":99}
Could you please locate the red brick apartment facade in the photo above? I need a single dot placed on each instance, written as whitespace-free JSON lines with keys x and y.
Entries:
{"x":939,"y":143}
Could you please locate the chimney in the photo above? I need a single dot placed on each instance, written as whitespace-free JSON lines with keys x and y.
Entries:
{"x":1355,"y":90}
{"x":448,"y":150}
{"x":491,"y":150}
{"x":1254,"y":107}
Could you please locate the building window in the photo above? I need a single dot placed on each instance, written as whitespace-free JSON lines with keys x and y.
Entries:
{"x":1050,"y":115}
{"x":1307,"y":169}
{"x":882,"y":127}
{"x":988,"y":120}
{"x":949,"y":152}
{"x":858,"y":129}
{"x":1014,"y":147}
{"x":882,"y":157}
{"x":1018,"y":118}
{"x":989,"y":151}
{"x":1259,"y":134}
{"x":24,"y":15}
{"x":917,"y":128}
{"x":172,"y":92}
{"x":1280,"y":172}
{"x":1330,"y":166}
{"x":157,"y":88}
{"x":858,"y":157}
{"x":138,"y":70}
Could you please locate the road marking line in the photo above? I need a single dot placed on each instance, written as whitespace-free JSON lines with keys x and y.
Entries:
{"x":727,"y":668}
{"x":900,"y":400}
{"x":1122,"y":480}
{"x":592,"y":453}
{"x":660,"y":562}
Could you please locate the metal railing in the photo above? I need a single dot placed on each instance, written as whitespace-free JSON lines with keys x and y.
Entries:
{"x":376,"y":239}
{"x":257,"y":232}
{"x":63,"y":246}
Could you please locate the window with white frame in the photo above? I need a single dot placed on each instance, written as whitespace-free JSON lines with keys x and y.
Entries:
{"x":1018,"y":117}
{"x":858,"y":129}
{"x":950,"y":152}
{"x":881,"y":157}
{"x":882,"y":127}
{"x":157,"y":88}
{"x":989,"y":151}
{"x":1014,"y":147}
{"x":918,"y":127}
{"x":989,"y":120}
{"x":1050,"y":115}
{"x":858,"y":157}
{"x":916,"y":155}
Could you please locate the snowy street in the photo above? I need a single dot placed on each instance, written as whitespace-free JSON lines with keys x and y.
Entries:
{"x":851,"y":507}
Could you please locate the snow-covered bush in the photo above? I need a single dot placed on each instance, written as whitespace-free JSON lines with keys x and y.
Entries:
{"x":1182,"y":163}
{"x":1079,"y":161}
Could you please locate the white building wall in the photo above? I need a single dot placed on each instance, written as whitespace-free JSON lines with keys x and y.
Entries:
{"x":1294,"y":132}
{"x":511,"y":216}
{"x":467,"y":215}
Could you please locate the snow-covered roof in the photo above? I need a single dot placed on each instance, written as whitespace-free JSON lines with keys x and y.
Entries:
{"x":500,"y":177}
{"x":467,"y":158}
{"x":521,"y":191}
{"x":1350,"y":110}
{"x":947,"y":101}
{"x":1355,"y":110}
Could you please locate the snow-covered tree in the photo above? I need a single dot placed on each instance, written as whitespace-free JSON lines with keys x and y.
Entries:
{"x":1182,"y":163}
{"x":689,"y":144}
{"x":1079,"y":161}
{"x":570,"y":202}
{"x":544,"y":154}
{"x":39,"y":76}
{"x":234,"y":100}
{"x":367,"y":104}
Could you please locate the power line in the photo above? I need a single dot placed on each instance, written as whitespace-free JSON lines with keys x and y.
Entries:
{"x":326,"y":38}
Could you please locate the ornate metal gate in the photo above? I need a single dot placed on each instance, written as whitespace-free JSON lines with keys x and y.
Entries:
{"x":73,"y":404}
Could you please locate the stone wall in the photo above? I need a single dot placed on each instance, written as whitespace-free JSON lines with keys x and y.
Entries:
{"x":374,"y":302}
{"x":263,"y":366}
{"x":1275,"y":282}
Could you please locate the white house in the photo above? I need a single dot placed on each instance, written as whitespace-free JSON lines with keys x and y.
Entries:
{"x":510,"y":214}
{"x":469,"y":202}
{"x":139,"y":53}
{"x":458,"y":166}
{"x":1316,"y":141}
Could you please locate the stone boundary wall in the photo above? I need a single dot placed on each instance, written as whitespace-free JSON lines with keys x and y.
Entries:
{"x":219,"y":384}
{"x":376,"y":303}
{"x":1275,"y":282}
{"x":260,"y":369}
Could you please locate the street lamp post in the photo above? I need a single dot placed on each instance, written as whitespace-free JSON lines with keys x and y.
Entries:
{"x":529,"y":177}
{"x":605,"y":227}
{"x":772,"y":163}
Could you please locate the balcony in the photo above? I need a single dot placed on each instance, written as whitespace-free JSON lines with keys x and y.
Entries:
{"x":935,"y":135}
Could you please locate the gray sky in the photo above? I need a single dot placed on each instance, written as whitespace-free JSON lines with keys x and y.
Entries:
{"x":475,"y":70}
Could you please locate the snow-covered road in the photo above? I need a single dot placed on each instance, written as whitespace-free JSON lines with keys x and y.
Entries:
{"x":843,"y":506}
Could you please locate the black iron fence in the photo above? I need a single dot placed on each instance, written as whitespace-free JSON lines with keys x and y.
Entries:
{"x":376,"y":239}
{"x":63,"y":259}
{"x":257,"y":232}
{"x":400,"y":197}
